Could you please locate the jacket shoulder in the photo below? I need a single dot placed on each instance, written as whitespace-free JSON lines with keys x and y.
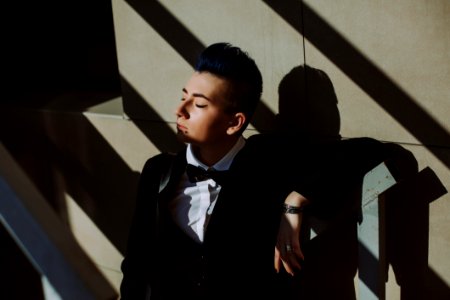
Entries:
{"x":158,"y":160}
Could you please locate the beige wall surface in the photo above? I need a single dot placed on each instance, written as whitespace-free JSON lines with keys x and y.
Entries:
{"x":387,"y":62}
{"x":158,"y":42}
{"x":385,"y":65}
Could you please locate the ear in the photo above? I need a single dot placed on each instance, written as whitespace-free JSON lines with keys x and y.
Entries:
{"x":236,"y":123}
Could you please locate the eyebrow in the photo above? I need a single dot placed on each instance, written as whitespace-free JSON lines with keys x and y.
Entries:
{"x":199,"y":95}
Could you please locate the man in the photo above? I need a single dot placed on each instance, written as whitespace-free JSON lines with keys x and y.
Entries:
{"x":212,"y":235}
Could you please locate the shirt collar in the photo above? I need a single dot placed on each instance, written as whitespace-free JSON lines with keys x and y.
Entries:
{"x":224,"y":163}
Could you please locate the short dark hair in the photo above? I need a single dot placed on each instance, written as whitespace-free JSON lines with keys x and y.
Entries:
{"x":234,"y":64}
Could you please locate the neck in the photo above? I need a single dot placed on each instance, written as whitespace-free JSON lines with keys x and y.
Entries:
{"x":212,"y":153}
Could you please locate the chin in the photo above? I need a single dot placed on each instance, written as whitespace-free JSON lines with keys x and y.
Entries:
{"x":181,"y":136}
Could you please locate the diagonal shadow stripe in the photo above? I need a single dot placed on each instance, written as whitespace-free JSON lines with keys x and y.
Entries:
{"x":141,"y":112}
{"x":437,"y":288}
{"x":171,"y":30}
{"x":188,"y":46}
{"x":107,"y":179}
{"x":369,"y":270}
{"x":366,"y":75}
{"x":66,"y":153}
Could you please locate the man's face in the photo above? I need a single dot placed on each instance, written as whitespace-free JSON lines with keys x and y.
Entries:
{"x":201,"y":116}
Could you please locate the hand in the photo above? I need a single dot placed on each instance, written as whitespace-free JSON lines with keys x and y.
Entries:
{"x":287,"y":250}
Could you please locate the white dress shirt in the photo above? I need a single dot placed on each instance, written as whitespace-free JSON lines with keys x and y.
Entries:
{"x":193,"y":204}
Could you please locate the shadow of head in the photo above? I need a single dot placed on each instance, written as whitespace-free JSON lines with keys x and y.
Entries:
{"x":308,"y":105}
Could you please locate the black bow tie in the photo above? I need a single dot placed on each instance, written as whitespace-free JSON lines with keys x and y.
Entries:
{"x":199,"y":174}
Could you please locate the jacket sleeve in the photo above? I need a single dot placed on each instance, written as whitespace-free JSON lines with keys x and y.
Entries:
{"x":138,"y":263}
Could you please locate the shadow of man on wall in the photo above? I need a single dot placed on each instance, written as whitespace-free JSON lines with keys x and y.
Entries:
{"x":308,"y":112}
{"x":307,"y":105}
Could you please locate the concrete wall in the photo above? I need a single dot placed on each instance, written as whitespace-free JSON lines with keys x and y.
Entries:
{"x":387,"y":63}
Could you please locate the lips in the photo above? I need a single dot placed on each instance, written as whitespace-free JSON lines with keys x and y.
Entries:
{"x":181,"y":127}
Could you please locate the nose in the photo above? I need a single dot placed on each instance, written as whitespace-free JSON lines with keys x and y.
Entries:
{"x":181,"y":110}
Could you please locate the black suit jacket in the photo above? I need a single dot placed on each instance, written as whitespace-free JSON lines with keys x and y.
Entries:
{"x":236,"y":258}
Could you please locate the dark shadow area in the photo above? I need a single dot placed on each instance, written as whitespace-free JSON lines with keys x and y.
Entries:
{"x":365,"y":74}
{"x":307,"y":105}
{"x":19,"y":278}
{"x":31,"y":152}
{"x":308,"y":112}
{"x":62,"y":55}
{"x":264,"y":119}
{"x":436,"y":288}
{"x":407,"y":234}
{"x":59,"y":54}
{"x":331,"y":262}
